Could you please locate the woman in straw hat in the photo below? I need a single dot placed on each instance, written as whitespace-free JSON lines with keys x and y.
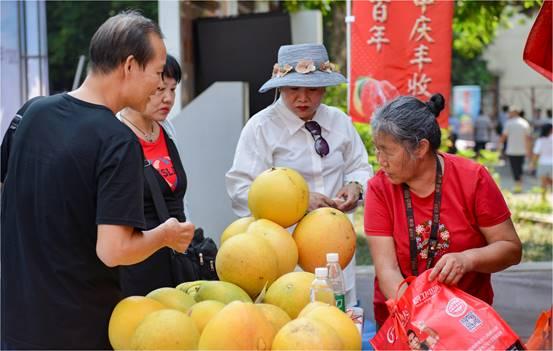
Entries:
{"x":300,"y":132}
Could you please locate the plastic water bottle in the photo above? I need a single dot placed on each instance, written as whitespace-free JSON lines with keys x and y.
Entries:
{"x":320,"y":289}
{"x":336,"y":280}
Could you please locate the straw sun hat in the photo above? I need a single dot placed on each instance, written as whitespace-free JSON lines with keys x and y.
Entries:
{"x":303,"y":65}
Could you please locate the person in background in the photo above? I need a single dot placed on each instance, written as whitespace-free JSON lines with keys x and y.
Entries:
{"x":161,"y":153}
{"x":298,"y":131}
{"x":517,"y":135}
{"x":453,"y":199}
{"x":73,"y":195}
{"x":537,"y":121}
{"x":482,"y":132}
{"x":454,"y":126}
{"x":502,"y":119}
{"x":542,"y":159}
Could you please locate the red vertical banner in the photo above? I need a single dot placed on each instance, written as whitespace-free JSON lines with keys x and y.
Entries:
{"x":399,"y":48}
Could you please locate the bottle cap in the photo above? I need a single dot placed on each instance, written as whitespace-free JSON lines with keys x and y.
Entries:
{"x":321,"y":272}
{"x":332,"y":257}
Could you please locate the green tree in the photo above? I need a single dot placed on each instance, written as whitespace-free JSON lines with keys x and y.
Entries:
{"x":71,"y":25}
{"x":325,"y":6}
{"x":466,"y":71}
{"x":475,"y":23}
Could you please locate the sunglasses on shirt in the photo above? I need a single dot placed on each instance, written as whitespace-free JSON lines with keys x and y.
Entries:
{"x":321,"y":145}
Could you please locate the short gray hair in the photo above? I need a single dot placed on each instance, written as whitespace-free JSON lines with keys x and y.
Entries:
{"x":119,"y":37}
{"x":409,"y":120}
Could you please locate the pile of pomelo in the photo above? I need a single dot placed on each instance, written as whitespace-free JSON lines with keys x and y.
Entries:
{"x":260,"y":302}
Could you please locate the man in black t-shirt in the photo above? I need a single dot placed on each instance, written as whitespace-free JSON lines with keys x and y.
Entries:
{"x":73,"y":196}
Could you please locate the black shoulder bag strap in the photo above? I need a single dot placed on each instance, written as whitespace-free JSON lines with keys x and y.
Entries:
{"x":159,"y":202}
{"x":433,"y":240}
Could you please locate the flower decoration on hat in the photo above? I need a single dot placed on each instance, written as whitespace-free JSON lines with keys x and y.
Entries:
{"x":327,"y":67}
{"x":305,"y":66}
{"x":302,"y":67}
{"x":281,"y":71}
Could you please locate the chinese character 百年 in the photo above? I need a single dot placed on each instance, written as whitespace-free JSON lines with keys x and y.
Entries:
{"x":380,"y":10}
{"x":378,"y":37}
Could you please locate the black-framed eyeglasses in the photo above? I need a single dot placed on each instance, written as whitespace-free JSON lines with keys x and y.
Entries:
{"x":321,"y":145}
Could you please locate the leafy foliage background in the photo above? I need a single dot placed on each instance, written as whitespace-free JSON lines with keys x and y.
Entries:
{"x":71,"y":25}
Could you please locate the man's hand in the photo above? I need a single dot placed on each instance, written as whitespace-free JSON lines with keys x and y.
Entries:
{"x":317,"y":200}
{"x":177,"y":235}
{"x":348,"y":196}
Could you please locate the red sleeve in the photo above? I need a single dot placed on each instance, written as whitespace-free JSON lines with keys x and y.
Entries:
{"x":491,"y":208}
{"x":378,"y":220}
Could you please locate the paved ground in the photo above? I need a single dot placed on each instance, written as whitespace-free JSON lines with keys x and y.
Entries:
{"x":506,"y":178}
{"x":521,"y":293}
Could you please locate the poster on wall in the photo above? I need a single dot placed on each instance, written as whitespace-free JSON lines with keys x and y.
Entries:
{"x":466,"y":101}
{"x":399,"y":48}
{"x":466,"y":107}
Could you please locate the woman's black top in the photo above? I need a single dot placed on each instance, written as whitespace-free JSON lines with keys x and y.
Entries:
{"x":155,"y":272}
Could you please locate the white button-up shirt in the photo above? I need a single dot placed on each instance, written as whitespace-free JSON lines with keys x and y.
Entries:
{"x":276,"y":137}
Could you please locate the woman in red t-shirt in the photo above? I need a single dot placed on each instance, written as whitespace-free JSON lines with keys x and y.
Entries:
{"x":474,"y":235}
{"x":161,"y":153}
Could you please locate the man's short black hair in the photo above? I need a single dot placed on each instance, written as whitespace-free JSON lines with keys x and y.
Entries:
{"x":125,"y":34}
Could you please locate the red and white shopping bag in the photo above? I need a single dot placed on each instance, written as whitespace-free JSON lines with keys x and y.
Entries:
{"x":435,"y":316}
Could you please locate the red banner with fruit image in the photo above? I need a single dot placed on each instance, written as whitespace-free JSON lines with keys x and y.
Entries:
{"x":399,"y":48}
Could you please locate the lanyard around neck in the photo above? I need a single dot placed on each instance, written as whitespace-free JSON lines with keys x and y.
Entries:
{"x":433,"y":240}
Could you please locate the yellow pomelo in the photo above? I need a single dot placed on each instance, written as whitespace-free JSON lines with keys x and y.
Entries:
{"x":279,"y":194}
{"x":190,"y":288}
{"x":340,"y":322}
{"x":280,"y":240}
{"x":290,"y":292}
{"x":224,"y":292}
{"x":306,"y":334}
{"x":238,"y":326}
{"x":322,"y":231}
{"x":248,"y":261}
{"x":172,"y":298}
{"x":239,"y":226}
{"x":126,"y":316}
{"x":274,"y":314}
{"x":310,"y":307}
{"x":166,"y":330}
{"x":202,"y":312}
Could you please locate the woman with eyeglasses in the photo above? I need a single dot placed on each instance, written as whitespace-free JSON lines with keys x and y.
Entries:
{"x":299,"y":132}
{"x":459,"y":225}
{"x":160,"y":152}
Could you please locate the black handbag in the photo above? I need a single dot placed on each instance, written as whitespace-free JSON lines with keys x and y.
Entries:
{"x":198,"y":262}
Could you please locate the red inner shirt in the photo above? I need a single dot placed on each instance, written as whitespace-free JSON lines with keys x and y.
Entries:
{"x":157,"y":153}
{"x":470,"y":200}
